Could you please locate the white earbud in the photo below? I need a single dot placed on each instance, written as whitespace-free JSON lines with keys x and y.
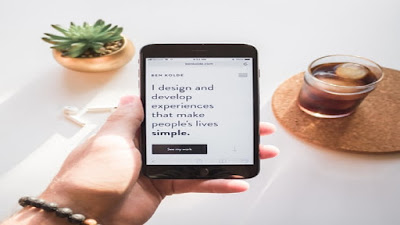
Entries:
{"x":69,"y":111}
{"x":101,"y":109}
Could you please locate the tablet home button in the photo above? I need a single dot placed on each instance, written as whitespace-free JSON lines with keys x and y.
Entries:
{"x":203,"y":172}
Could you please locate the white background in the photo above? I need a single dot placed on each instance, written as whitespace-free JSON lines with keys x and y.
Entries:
{"x":304,"y":185}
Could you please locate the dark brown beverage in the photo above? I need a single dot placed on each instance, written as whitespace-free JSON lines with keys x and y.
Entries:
{"x":335,"y":89}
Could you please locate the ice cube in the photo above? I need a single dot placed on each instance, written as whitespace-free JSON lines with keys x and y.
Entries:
{"x":339,"y":85}
{"x":351,"y":71}
{"x":337,"y":81}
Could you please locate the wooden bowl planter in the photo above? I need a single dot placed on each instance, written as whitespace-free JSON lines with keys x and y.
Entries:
{"x":104,"y":63}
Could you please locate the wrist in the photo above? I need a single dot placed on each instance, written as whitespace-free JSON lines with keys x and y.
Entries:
{"x":92,"y":203}
{"x":38,"y":211}
{"x":34,"y":216}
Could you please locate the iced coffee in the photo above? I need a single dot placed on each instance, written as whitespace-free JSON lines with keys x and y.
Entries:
{"x":335,"y":85}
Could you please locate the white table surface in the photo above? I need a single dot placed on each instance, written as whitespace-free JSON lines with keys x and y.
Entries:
{"x":304,"y":185}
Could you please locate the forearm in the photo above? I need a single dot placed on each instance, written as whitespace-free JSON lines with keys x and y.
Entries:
{"x":61,"y":209}
{"x":33,"y":216}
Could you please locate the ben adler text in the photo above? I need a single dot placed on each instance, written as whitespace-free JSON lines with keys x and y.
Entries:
{"x":167,"y":75}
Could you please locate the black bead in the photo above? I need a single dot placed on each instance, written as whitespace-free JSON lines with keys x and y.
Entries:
{"x":30,"y":200}
{"x":49,"y":207}
{"x":38,"y":203}
{"x":76,"y":218}
{"x":63,"y":212}
{"x":24,"y":201}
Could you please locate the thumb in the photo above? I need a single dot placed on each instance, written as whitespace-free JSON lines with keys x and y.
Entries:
{"x":126,"y":120}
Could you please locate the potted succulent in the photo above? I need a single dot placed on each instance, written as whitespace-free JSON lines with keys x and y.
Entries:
{"x":91,"y":48}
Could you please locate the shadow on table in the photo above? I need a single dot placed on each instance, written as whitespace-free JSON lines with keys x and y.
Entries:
{"x":35,"y":112}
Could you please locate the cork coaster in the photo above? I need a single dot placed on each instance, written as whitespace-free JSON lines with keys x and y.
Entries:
{"x":374,"y":127}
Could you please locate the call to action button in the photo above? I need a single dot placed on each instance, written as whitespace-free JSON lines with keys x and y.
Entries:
{"x":179,"y":149}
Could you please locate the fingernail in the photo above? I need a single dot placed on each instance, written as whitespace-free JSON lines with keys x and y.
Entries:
{"x":274,"y":148}
{"x":126,"y":100}
{"x":273,"y":126}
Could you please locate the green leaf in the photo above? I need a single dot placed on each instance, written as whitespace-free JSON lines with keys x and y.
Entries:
{"x":48,"y":40}
{"x":115,"y":39}
{"x":96,"y":46}
{"x":72,"y":29}
{"x":114,"y":28}
{"x":59,"y":48}
{"x":69,"y":43}
{"x":96,"y":29}
{"x":56,"y":37}
{"x":105,"y":28}
{"x":60,"y":29}
{"x":98,"y":23}
{"x":119,"y":31}
{"x":66,"y":43}
{"x":62,"y":45}
{"x":76,"y":50}
{"x":72,"y":26}
{"x":77,"y":45}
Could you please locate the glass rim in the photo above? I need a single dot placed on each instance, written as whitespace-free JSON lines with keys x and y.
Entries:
{"x":341,"y":86}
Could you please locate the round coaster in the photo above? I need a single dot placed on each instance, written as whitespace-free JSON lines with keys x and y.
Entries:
{"x":374,"y":127}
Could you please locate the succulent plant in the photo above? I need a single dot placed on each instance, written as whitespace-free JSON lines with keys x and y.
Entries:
{"x":78,"y":39}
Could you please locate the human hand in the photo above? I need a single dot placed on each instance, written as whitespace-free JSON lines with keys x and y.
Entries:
{"x":102,"y":179}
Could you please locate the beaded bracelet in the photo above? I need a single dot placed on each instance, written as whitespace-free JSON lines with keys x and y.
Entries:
{"x":73,"y":218}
